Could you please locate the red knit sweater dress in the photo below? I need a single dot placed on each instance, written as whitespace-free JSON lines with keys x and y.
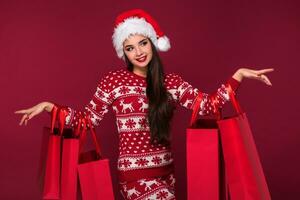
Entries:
{"x":145,"y":170}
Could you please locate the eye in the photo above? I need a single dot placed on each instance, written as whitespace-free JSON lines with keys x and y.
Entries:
{"x":144,"y":43}
{"x":129,"y":49}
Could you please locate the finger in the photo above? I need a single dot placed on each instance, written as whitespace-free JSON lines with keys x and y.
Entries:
{"x":22,"y":120}
{"x":26,"y":121}
{"x":255,"y":75}
{"x":265,"y":71}
{"x":20,"y":111}
{"x":31,"y":115}
{"x":265,"y":79}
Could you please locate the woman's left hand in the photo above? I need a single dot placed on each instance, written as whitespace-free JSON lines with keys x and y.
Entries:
{"x":253,"y":74}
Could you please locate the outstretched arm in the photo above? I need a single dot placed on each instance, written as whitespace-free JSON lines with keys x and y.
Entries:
{"x":96,"y":108}
{"x":185,"y":94}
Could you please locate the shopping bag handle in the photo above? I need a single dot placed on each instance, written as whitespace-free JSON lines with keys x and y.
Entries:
{"x":80,"y":130}
{"x":60,"y":113}
{"x":53,"y":117}
{"x":232,"y":98}
{"x":234,"y":101}
{"x":97,"y":145}
{"x":196,"y":108}
{"x":83,"y":134}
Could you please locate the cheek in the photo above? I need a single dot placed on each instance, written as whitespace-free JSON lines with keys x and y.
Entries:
{"x":130,"y":56}
{"x":150,"y":53}
{"x":149,"y":50}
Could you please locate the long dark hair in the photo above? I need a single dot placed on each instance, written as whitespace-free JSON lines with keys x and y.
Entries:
{"x":160,"y":111}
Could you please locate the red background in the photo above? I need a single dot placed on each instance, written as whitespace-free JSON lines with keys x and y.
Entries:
{"x":57,"y":51}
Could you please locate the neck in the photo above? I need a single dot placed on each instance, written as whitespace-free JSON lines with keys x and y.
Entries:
{"x":140,"y":71}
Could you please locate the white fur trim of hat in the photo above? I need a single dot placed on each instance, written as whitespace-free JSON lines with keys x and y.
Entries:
{"x":138,"y":21}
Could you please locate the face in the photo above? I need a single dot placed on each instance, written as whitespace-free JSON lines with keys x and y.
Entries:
{"x":139,"y":51}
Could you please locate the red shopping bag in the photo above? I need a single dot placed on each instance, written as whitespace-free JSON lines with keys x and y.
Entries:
{"x":51,"y":188}
{"x":69,"y":168}
{"x":94,"y":172}
{"x":205,"y":171}
{"x":244,"y":172}
{"x":70,"y":152}
{"x":63,"y":150}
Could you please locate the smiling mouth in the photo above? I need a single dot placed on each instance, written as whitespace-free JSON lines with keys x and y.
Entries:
{"x":142,"y":59}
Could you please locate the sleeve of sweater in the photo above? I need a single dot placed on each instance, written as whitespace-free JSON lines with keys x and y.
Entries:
{"x":97,"y":107}
{"x":185,"y":94}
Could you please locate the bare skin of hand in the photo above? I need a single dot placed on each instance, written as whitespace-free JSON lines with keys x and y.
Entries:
{"x":253,"y":74}
{"x":29,"y":113}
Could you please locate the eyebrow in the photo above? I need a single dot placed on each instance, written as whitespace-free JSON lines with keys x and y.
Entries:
{"x":139,"y":42}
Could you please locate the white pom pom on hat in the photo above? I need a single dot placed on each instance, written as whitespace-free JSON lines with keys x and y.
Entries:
{"x":137,"y":21}
{"x":163,"y":43}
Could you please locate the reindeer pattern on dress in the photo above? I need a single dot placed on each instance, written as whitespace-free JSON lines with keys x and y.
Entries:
{"x":148,"y":184}
{"x":131,"y":192}
{"x":126,"y":106}
{"x":144,"y":105}
{"x":161,"y":188}
{"x":130,"y":103}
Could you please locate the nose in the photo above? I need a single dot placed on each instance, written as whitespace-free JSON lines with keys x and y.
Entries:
{"x":138,"y":52}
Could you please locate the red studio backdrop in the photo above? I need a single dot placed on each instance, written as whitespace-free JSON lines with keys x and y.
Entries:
{"x":58,"y":50}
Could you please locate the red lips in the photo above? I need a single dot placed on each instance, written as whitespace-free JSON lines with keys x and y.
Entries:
{"x":142,"y":59}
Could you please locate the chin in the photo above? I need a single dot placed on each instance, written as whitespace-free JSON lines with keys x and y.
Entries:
{"x":142,"y":65}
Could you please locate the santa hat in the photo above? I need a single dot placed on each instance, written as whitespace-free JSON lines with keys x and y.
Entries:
{"x":137,"y":21}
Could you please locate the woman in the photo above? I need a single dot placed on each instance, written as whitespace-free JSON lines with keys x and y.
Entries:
{"x":143,"y":99}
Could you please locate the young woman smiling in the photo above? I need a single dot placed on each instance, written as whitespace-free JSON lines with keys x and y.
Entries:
{"x":143,"y":99}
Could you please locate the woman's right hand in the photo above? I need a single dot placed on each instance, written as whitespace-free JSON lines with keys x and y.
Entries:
{"x":33,"y":111}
